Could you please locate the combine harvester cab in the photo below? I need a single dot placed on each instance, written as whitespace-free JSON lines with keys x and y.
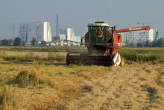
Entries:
{"x":103,"y":43}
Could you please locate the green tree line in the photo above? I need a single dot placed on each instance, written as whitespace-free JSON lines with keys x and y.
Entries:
{"x":16,"y":42}
{"x":155,"y":43}
{"x":10,"y":42}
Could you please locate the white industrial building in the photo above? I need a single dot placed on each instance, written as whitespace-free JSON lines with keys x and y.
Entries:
{"x":139,"y":36}
{"x":68,"y":35}
{"x":40,"y":31}
{"x":153,"y":33}
{"x":46,"y":33}
{"x":71,"y":35}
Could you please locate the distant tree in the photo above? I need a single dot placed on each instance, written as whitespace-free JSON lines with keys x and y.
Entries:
{"x":151,"y":44}
{"x":23,"y":43}
{"x":4,"y":42}
{"x":43,"y":43}
{"x":140,"y":44}
{"x":146,"y":44}
{"x":33,"y":42}
{"x":10,"y":42}
{"x":17,"y":41}
{"x":131,"y":45}
{"x":155,"y":43}
{"x":161,"y":42}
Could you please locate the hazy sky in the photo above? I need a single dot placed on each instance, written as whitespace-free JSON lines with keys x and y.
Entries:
{"x":78,"y":13}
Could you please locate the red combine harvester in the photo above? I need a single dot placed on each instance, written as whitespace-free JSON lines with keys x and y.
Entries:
{"x":103,"y":43}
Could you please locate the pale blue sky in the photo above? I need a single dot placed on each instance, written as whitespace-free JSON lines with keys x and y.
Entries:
{"x":78,"y":13}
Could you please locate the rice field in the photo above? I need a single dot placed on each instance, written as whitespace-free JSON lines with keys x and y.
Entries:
{"x":143,"y":54}
{"x":37,"y":78}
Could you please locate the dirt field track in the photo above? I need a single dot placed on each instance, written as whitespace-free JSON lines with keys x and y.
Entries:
{"x":132,"y":87}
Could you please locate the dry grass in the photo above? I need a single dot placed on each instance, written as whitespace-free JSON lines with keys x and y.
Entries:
{"x":26,"y":57}
{"x":7,"y":99}
{"x":42,"y":87}
{"x":45,"y":83}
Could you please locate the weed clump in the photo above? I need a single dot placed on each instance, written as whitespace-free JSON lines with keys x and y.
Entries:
{"x":160,"y":79}
{"x":152,"y":94}
{"x":34,"y":78}
{"x":25,"y":78}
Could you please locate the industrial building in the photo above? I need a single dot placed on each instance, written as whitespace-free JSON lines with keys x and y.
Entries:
{"x":139,"y":37}
{"x":40,"y":31}
{"x":65,"y":43}
{"x":44,"y":32}
{"x":67,"y":34}
{"x":71,"y":35}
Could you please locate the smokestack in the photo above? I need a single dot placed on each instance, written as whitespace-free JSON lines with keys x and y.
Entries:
{"x":57,"y":25}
